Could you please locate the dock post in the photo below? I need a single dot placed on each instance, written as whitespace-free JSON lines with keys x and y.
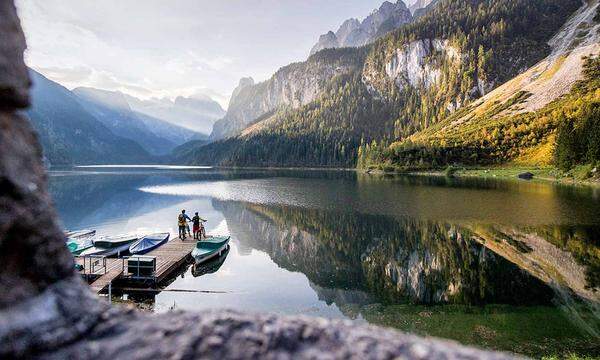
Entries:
{"x":110,"y":292}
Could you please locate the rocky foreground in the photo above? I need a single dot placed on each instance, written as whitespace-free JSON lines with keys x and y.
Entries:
{"x":46,"y":311}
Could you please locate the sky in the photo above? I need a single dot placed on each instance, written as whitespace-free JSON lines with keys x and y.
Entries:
{"x":167,"y":48}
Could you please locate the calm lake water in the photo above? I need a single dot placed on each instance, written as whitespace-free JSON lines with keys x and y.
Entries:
{"x":507,"y":265}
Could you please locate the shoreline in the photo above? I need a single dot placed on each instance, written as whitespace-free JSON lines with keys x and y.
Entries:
{"x":546,"y":175}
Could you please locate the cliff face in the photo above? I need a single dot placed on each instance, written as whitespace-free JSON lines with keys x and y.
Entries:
{"x":415,"y":64}
{"x":292,"y":86}
{"x":353,"y":33}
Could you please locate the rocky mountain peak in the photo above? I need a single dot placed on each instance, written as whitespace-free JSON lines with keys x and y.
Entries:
{"x":244,"y":83}
{"x":346,"y":29}
{"x":388,"y":7}
{"x":353,"y":33}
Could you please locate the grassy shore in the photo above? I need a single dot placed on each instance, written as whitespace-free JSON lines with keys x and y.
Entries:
{"x":577,"y":176}
{"x":581,"y":175}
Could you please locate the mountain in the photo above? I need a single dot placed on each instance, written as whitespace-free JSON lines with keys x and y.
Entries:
{"x":292,"y":86}
{"x":197,"y":113}
{"x":547,"y":115}
{"x":407,"y":82}
{"x":112,"y":108}
{"x":354,"y":33}
{"x":71,"y":135}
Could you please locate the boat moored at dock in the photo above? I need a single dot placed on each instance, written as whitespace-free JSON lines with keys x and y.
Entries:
{"x":148,"y":243}
{"x":210,"y":248}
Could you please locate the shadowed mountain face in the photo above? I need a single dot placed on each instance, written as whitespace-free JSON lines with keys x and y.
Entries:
{"x":70,"y":134}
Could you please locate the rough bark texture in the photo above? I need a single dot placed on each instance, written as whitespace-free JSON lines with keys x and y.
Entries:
{"x":46,"y":310}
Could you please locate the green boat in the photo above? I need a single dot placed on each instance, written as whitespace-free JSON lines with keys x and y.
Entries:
{"x":210,"y":248}
{"x":76,"y":247}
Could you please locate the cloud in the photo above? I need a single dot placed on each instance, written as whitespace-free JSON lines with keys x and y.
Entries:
{"x":157,"y":48}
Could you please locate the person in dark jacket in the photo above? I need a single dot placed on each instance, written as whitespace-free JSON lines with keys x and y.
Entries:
{"x":199,"y":232}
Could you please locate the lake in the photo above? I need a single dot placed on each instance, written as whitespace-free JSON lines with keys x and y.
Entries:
{"x":505,"y":265}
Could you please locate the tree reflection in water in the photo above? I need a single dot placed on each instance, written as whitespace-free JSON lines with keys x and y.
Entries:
{"x":396,"y":270}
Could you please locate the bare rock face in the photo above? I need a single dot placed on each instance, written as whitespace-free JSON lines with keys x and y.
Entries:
{"x":46,"y":311}
{"x":412,"y":65}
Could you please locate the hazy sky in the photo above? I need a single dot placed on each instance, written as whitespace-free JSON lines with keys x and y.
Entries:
{"x":175,"y":47}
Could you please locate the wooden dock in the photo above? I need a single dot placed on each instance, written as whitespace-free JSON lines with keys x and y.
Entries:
{"x":103,"y":281}
{"x":103,"y":271}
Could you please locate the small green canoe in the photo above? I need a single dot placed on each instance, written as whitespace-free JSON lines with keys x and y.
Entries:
{"x":209,"y":248}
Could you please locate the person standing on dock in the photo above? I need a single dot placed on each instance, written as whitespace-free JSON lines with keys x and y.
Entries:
{"x":182,"y":220}
{"x":199,"y":232}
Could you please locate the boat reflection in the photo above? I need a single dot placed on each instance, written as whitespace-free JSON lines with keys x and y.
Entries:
{"x":210,"y":267}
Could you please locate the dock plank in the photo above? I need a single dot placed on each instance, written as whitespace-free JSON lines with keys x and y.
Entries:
{"x":102,"y":282}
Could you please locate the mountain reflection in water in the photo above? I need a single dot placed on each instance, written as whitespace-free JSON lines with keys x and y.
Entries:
{"x":480,"y":261}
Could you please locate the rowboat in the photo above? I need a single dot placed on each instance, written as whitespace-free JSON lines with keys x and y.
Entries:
{"x":209,"y":248}
{"x":115,"y":241}
{"x":148,"y":243}
{"x":80,"y":234}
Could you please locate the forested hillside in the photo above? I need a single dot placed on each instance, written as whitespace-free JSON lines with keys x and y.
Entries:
{"x":409,"y":81}
{"x":566,"y":133}
{"x":542,"y":117}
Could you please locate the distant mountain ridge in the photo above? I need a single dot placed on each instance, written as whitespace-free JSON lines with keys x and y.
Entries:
{"x":69,"y":134}
{"x":196,"y":113}
{"x":300,"y":83}
{"x":354,"y":33}
{"x":112,"y":109}
{"x":92,"y":126}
